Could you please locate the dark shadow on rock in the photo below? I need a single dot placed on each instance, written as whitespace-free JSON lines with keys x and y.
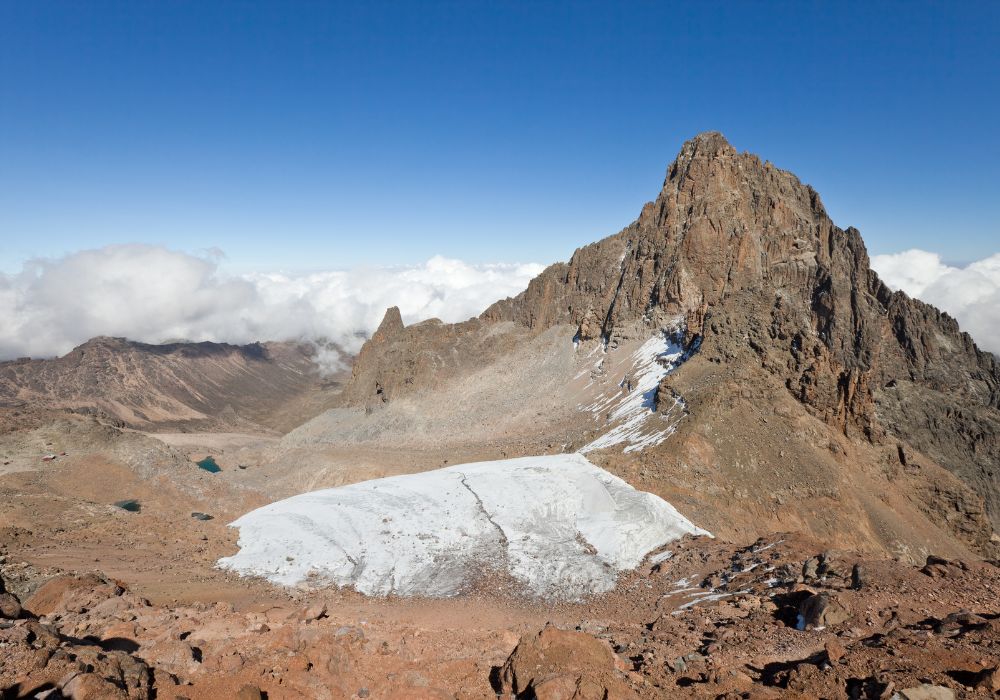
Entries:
{"x":119,"y":644}
{"x":966,"y":678}
{"x":495,"y":681}
{"x":17,"y":693}
{"x":775,"y":674}
{"x":865,"y":689}
{"x":788,"y":606}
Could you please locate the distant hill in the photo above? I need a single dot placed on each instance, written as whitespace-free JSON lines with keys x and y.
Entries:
{"x":189,"y":386}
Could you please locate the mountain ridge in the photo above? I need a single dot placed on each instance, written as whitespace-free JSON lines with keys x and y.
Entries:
{"x":181,"y":385}
{"x":768,"y":284}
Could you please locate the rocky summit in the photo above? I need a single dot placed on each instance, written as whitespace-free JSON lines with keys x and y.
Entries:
{"x":519,"y":505}
{"x":781,"y":304}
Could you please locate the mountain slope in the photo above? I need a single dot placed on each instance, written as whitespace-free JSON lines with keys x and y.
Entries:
{"x":189,"y":385}
{"x":780,"y":302}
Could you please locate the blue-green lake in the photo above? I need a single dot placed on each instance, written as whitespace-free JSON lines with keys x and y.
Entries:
{"x":209,"y":464}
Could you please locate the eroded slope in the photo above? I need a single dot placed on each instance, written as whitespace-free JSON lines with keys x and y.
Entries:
{"x":192,"y":385}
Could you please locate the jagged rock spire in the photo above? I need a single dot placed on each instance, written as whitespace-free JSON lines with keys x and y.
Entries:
{"x":747,"y":254}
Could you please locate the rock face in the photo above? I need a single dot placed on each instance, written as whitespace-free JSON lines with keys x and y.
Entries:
{"x":398,"y":360}
{"x":194,"y":385}
{"x":747,"y":254}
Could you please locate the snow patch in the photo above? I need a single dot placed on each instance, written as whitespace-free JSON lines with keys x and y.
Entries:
{"x":660,"y":558}
{"x":632,"y":410}
{"x":758,"y":550}
{"x":706,"y":597}
{"x":561,"y":526}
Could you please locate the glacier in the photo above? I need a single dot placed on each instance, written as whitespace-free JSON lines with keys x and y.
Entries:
{"x":558,"y":525}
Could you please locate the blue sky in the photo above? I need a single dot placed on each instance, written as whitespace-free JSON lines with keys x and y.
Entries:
{"x":323,"y":135}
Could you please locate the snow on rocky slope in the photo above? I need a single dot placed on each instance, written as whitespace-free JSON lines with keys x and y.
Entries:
{"x":630,"y":408}
{"x":557,"y":524}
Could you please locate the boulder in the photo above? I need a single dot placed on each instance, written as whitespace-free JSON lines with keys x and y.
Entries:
{"x":825,"y":567}
{"x":938,"y":567}
{"x":857,"y":577}
{"x":834,"y":651}
{"x":90,"y":686}
{"x":10,"y":606}
{"x":821,"y":610}
{"x":925,"y":692}
{"x":42,"y":635}
{"x":989,"y":680}
{"x":556,"y":664}
{"x":249,"y":692}
{"x":175,"y":655}
{"x":54,"y":593}
{"x":810,"y":569}
{"x":961,"y":620}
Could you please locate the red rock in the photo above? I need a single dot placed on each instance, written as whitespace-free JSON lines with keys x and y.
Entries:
{"x":90,"y":686}
{"x":989,"y":680}
{"x":554,"y":661}
{"x":10,"y":607}
{"x":834,"y":650}
{"x":56,"y":592}
{"x":248,"y":692}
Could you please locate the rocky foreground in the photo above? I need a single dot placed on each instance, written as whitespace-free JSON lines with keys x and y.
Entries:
{"x":775,"y":619}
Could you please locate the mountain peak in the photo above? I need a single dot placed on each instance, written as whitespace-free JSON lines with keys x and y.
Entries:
{"x":392,"y":323}
{"x":745,"y":255}
{"x":102,"y":342}
{"x":706,"y":141}
{"x":708,"y":145}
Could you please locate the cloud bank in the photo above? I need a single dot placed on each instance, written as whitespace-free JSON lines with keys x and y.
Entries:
{"x":970,"y":294}
{"x":152,"y":294}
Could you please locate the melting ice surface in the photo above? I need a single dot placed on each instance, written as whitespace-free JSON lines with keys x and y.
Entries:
{"x":559,"y":525}
{"x":632,"y":411}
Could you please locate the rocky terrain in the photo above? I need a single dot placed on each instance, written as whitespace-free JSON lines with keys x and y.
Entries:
{"x":778,"y":618}
{"x":730,"y":352}
{"x":193,"y":386}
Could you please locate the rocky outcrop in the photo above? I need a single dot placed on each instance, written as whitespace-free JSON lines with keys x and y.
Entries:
{"x":659,"y":634}
{"x":37,"y":660}
{"x":397,"y":360}
{"x":747,"y":254}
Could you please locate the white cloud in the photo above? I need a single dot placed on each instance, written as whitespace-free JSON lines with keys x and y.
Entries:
{"x":153,"y":294}
{"x":970,"y":294}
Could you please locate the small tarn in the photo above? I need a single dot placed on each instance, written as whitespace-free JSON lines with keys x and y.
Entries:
{"x":210,"y":465}
{"x":129,"y":504}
